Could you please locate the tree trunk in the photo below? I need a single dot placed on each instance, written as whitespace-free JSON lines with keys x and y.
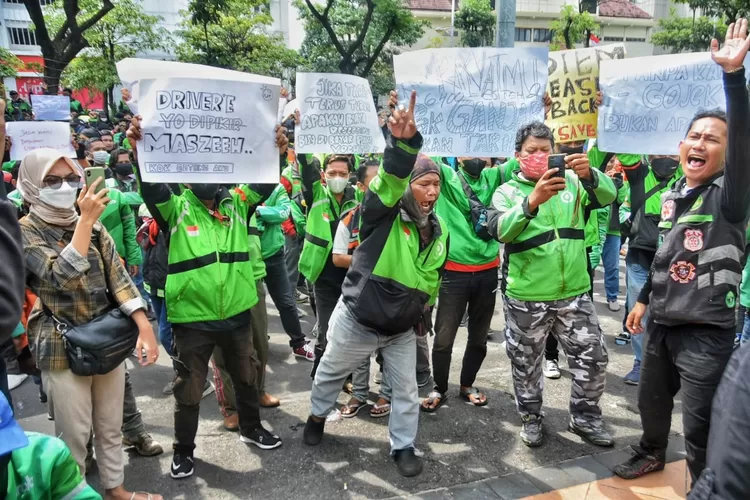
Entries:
{"x":566,"y":36}
{"x":109,"y":96}
{"x":587,"y":40}
{"x":52,"y":72}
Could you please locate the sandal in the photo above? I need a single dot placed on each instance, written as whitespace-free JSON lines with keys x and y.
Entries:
{"x":379,"y":411}
{"x":474,"y":393}
{"x":148,"y":495}
{"x":430,"y":400}
{"x":350,"y":409}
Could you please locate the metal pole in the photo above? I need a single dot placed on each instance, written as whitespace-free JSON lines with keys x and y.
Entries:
{"x":505,"y":32}
{"x":453,"y":21}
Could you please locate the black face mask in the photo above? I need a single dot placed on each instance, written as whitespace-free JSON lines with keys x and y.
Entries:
{"x":474,"y":166}
{"x":124,"y":169}
{"x":664,"y":168}
{"x":569,"y":150}
{"x":205,"y":191}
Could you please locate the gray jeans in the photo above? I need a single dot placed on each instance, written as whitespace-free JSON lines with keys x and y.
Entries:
{"x":349,"y":345}
{"x":132,"y":419}
{"x":292,"y":251}
{"x":361,"y":383}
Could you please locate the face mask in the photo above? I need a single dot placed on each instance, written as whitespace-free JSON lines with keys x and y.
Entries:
{"x":534,"y":165}
{"x":474,"y":166}
{"x":205,"y":191}
{"x":124,"y":169}
{"x":664,"y":167}
{"x":568,"y":150}
{"x":100,"y":157}
{"x":63,"y":197}
{"x":336,"y":184}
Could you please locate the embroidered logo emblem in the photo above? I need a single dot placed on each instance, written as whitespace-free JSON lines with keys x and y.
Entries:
{"x":667,"y":210}
{"x":682,"y":272}
{"x":693,"y":240}
{"x":731,"y":299}
{"x":566,"y":197}
{"x":439,"y":247}
{"x":193,"y":231}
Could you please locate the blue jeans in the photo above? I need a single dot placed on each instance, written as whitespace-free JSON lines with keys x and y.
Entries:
{"x":349,"y":345}
{"x":611,"y":262}
{"x":165,"y":327}
{"x":635,"y":277}
{"x":138,"y":282}
{"x":746,"y":330}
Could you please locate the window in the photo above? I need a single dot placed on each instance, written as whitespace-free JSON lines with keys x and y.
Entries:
{"x":21,"y":36}
{"x":523,"y":34}
{"x":42,"y":2}
{"x":635,"y":39}
{"x":612,"y":39}
{"x":588,"y":6}
{"x":542,"y":35}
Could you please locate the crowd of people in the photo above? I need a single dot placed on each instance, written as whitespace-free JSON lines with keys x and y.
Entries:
{"x":388,"y":250}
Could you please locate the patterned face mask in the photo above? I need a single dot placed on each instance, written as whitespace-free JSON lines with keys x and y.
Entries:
{"x":534,"y":165}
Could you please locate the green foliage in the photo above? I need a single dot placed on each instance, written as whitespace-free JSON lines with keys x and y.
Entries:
{"x":571,"y":28}
{"x":476,"y":22}
{"x":236,"y":38}
{"x":679,"y":34}
{"x":357,"y":37}
{"x":727,"y":9}
{"x":9,"y":64}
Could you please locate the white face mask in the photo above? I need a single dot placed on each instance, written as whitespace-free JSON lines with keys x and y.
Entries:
{"x":336,"y":184}
{"x":100,"y":157}
{"x":63,"y":197}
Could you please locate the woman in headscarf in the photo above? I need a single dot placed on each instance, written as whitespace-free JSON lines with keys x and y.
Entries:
{"x":73,"y":267}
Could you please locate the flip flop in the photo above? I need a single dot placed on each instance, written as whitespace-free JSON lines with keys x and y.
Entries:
{"x":431,"y":397}
{"x":376,"y":407}
{"x":474,"y":392}
{"x":355,"y":408}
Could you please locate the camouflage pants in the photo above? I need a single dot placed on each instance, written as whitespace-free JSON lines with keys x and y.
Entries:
{"x":575,"y":325}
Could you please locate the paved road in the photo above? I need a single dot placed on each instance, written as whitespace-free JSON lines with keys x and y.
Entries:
{"x":461,"y":444}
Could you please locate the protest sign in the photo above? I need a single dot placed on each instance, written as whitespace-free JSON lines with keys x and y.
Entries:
{"x":203,"y":124}
{"x":289,"y":109}
{"x":572,"y":85}
{"x":51,"y":107}
{"x":338,"y":115}
{"x":649,"y":101}
{"x":471,"y":101}
{"x":28,"y":136}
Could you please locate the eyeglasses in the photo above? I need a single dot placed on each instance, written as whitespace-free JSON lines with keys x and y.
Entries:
{"x":55,"y":182}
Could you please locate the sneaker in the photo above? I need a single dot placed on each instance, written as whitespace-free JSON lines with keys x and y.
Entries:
{"x":169,"y":389}
{"x":261,"y":438}
{"x":305,"y":351}
{"x":314,"y":431}
{"x":182,"y":465}
{"x":423,"y":379}
{"x":551,"y":369}
{"x":42,"y":396}
{"x":144,"y":445}
{"x":300,"y":297}
{"x":638,"y":465}
{"x":634,"y":376}
{"x":592,"y":431}
{"x":16,"y":380}
{"x":409,"y":464}
{"x":613,"y":305}
{"x":314,"y":331}
{"x":532,"y":433}
{"x":208,"y":388}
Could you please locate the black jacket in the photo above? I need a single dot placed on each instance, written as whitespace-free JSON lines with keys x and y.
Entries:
{"x":12,"y":269}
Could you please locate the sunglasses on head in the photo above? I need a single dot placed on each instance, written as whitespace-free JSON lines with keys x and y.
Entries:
{"x":55,"y":182}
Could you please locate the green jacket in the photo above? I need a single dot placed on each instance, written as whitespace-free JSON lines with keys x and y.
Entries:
{"x":256,"y":254}
{"x":292,"y":181}
{"x":45,"y":470}
{"x":270,"y":215}
{"x":119,"y":221}
{"x":76,"y":106}
{"x":452,"y":206}
{"x":545,"y":251}
{"x":129,"y":191}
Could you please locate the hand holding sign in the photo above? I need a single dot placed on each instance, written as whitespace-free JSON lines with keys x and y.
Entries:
{"x":731,"y":56}
{"x":402,"y":120}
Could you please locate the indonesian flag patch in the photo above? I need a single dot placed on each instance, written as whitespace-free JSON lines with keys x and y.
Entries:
{"x":407,"y":232}
{"x":192,"y":231}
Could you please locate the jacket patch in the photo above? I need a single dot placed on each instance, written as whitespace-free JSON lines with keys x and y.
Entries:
{"x":667,"y":210}
{"x":682,"y":272}
{"x":731,"y":299}
{"x":326,"y":217}
{"x":407,"y":232}
{"x":192,"y":231}
{"x":693,"y":240}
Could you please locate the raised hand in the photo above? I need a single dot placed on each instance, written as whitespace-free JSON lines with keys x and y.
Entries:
{"x":134,"y":134}
{"x":402,"y":120}
{"x":731,"y":56}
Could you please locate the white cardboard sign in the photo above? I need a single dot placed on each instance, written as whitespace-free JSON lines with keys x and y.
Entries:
{"x":51,"y":107}
{"x":28,"y":136}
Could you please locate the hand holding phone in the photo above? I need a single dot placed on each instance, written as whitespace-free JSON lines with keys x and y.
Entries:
{"x":92,"y":174}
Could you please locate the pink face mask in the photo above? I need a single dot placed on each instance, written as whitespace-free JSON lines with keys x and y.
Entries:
{"x":534,"y":165}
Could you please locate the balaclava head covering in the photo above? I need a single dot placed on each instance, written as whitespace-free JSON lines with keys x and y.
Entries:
{"x":422,"y":167}
{"x":34,"y":167}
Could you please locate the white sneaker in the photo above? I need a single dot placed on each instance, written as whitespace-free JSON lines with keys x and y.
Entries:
{"x":551,"y":370}
{"x":15,"y":380}
{"x":613,"y":305}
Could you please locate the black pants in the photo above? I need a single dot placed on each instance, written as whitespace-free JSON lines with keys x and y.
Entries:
{"x":194,"y":349}
{"x":590,"y":270}
{"x":550,"y":349}
{"x":458,"y":290}
{"x":277,"y":282}
{"x":326,"y":297}
{"x":4,"y":382}
{"x":687,"y":357}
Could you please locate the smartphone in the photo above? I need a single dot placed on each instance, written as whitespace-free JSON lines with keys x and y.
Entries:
{"x":92,"y":174}
{"x":558,"y":162}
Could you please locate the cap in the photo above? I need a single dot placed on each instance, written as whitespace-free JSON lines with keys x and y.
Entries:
{"x":13,"y":92}
{"x":12,"y":436}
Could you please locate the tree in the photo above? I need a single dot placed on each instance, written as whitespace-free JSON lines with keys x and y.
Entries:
{"x":9,"y":64}
{"x":351,"y":35}
{"x":124,"y":32}
{"x":237,"y":39}
{"x":573,"y":26}
{"x":728,"y":9}
{"x":476,"y":22}
{"x":61,"y":44}
{"x":680,"y":34}
{"x":203,"y":13}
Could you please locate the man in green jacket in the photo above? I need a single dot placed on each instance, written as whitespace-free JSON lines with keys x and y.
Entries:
{"x":745,"y":294}
{"x":540,"y":218}
{"x":210,"y":292}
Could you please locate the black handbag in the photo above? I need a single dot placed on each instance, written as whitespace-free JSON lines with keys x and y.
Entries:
{"x":478,"y":212}
{"x":99,"y":346}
